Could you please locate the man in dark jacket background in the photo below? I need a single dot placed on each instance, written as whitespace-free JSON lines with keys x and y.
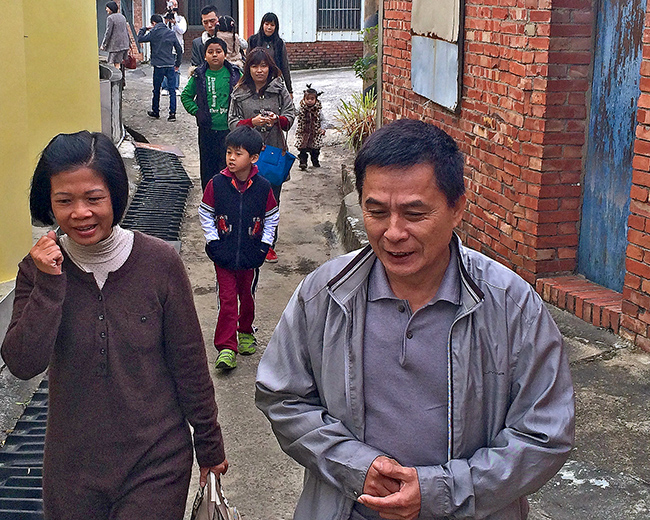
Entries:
{"x":165,"y":63}
{"x":210,"y":22}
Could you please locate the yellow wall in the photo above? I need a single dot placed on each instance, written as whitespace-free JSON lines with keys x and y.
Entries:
{"x":50,"y":85}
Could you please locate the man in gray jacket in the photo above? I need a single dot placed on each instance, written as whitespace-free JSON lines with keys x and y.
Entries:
{"x":165,"y":63}
{"x":417,"y":378}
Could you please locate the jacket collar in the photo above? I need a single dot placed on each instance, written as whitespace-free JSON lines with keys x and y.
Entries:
{"x":239,"y":185}
{"x":355,"y":273}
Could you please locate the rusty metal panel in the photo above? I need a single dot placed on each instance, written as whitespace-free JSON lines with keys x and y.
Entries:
{"x":610,"y":145}
{"x":438,"y":19}
{"x":434,"y":70}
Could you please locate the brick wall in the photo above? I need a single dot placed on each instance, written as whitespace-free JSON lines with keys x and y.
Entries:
{"x":520,"y":125}
{"x":315,"y":55}
{"x":307,"y":55}
{"x":635,"y":322}
{"x":137,"y":15}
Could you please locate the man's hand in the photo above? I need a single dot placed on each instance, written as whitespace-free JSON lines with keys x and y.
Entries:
{"x":220,"y":469}
{"x":47,"y":255}
{"x":392,"y":490}
{"x":377,"y":484}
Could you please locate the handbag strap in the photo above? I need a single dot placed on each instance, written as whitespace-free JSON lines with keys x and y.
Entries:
{"x":285,"y":144}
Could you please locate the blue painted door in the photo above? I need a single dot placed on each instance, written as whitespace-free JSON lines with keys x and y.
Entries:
{"x":612,"y":120}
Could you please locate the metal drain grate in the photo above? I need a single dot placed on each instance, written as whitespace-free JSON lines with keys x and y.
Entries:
{"x":21,"y":462}
{"x":158,"y":205}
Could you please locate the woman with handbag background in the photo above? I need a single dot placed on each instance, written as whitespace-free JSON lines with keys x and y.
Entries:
{"x":261,"y":100}
{"x":111,"y":313}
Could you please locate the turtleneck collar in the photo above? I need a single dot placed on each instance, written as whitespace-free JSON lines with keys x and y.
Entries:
{"x":103,"y":257}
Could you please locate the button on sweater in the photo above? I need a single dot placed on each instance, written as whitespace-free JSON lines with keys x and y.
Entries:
{"x":127,"y":364}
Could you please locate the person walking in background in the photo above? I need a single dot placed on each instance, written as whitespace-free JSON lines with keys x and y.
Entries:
{"x":261,"y":100}
{"x":210,"y":22}
{"x":165,"y":62}
{"x":110,"y":314}
{"x":207,"y":97}
{"x":268,"y":37}
{"x":178,"y":25}
{"x":116,"y":38}
{"x":236,"y":44}
{"x":309,"y":134}
{"x":238,"y":215}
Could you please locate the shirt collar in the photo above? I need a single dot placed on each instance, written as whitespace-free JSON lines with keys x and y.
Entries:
{"x":449,"y":290}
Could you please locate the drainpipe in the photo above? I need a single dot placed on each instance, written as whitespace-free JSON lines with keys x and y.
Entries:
{"x":380,"y":66}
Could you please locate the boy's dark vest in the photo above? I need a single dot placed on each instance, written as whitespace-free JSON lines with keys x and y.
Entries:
{"x":239,"y":218}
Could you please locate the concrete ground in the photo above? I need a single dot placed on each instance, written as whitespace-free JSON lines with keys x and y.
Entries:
{"x":607,"y":476}
{"x":262,"y":482}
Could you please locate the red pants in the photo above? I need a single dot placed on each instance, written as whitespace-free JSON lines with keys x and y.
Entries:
{"x":232,"y":285}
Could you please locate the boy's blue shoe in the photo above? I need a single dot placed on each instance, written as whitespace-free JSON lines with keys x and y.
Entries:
{"x":246,"y":344}
{"x":226,"y":360}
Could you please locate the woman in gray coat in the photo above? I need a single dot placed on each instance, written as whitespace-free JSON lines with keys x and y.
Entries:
{"x":116,"y":38}
{"x":261,"y":100}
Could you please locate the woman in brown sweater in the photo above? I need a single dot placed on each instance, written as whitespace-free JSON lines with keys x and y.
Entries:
{"x":111,"y":313}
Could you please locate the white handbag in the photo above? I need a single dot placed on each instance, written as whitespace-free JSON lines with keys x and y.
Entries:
{"x":210,"y":502}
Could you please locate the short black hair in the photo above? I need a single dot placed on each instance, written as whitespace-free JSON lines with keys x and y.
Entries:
{"x":210,"y":9}
{"x":112,"y":6}
{"x":217,"y":41}
{"x":247,"y":138}
{"x":67,"y":152}
{"x":407,"y":142}
{"x":156,"y":18}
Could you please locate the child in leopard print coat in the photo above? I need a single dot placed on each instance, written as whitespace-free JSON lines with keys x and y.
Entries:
{"x":309,"y":134}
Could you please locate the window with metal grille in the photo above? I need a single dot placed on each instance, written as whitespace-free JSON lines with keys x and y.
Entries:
{"x":224,"y":7}
{"x":339,"y":15}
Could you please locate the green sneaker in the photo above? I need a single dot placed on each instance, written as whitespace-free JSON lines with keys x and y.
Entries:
{"x":226,"y":359}
{"x":246,"y":344}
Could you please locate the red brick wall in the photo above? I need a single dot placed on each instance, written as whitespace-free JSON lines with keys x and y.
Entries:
{"x":314,"y":55}
{"x":521,"y":123}
{"x":308,"y":55}
{"x":635,"y":322}
{"x":137,"y":15}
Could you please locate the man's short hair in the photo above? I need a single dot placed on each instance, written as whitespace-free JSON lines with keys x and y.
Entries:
{"x":247,"y":138}
{"x":407,"y":142}
{"x":156,"y":18}
{"x":210,"y":9}
{"x":217,"y":41}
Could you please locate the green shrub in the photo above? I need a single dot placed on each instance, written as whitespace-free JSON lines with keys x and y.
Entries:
{"x":357,"y":118}
{"x":366,"y":66}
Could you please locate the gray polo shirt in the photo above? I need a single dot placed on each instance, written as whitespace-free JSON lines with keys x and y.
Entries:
{"x":405,"y":372}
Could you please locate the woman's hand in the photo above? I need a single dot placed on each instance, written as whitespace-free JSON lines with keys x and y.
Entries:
{"x":269,"y":119}
{"x":219,"y":469}
{"x":47,"y":254}
{"x":259,"y":120}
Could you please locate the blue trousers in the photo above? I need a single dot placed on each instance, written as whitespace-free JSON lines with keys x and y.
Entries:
{"x":158,"y":74}
{"x":176,"y":85}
